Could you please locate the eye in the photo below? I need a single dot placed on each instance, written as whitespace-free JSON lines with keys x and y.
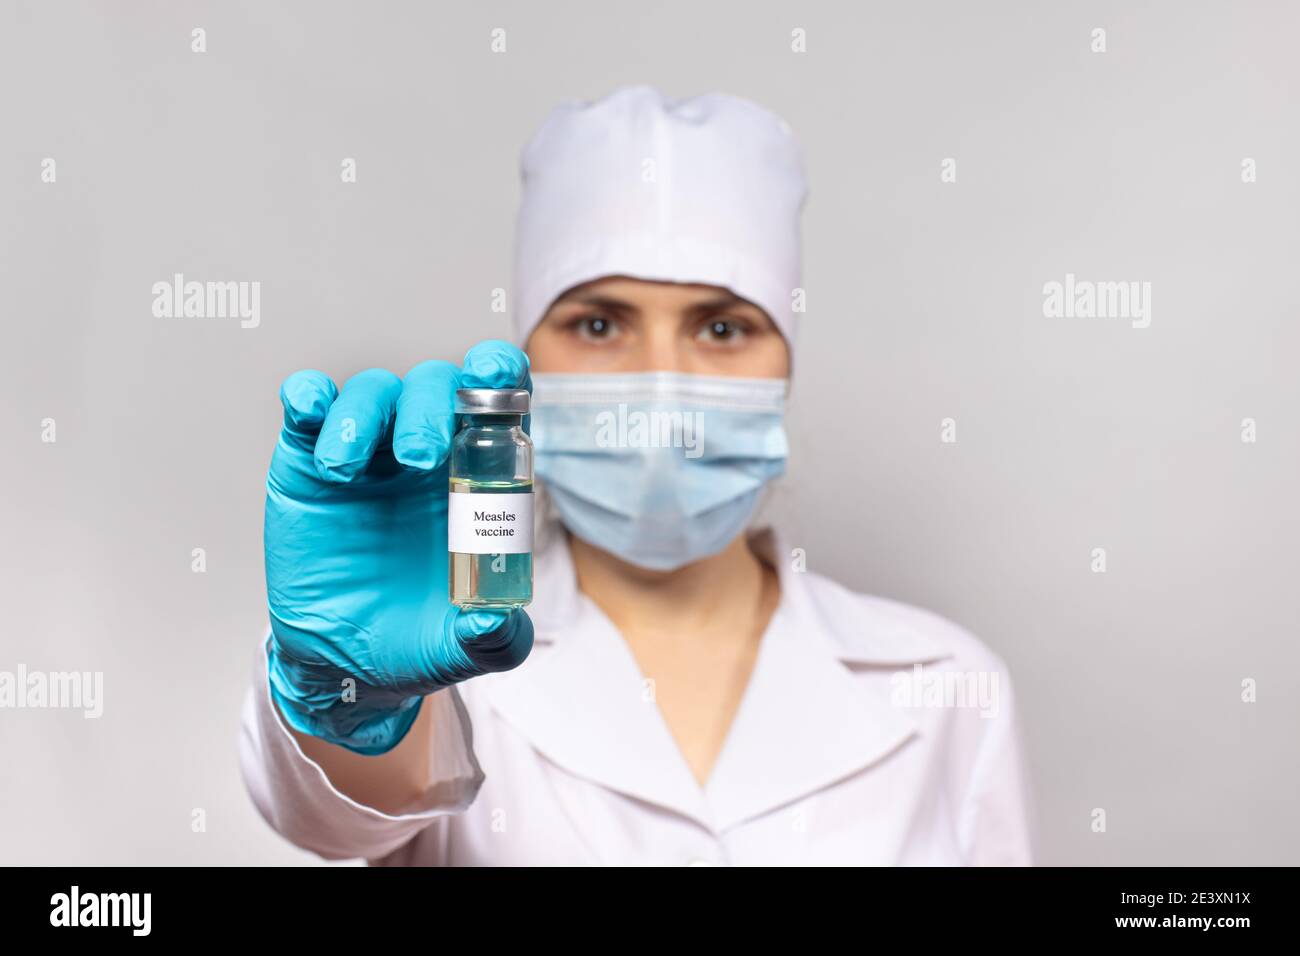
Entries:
{"x":722,"y":330}
{"x":594,"y":327}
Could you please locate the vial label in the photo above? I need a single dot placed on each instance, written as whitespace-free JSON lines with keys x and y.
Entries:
{"x":489,"y":524}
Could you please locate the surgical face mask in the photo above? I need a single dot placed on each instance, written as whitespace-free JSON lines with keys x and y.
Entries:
{"x":658,"y":468}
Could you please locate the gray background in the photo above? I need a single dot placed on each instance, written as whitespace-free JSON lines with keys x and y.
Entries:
{"x":925,"y":302}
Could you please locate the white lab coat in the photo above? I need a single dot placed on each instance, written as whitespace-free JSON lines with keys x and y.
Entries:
{"x":567,"y":760}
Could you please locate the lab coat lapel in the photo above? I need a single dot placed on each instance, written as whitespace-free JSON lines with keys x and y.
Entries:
{"x":804,"y":721}
{"x":582,"y":703}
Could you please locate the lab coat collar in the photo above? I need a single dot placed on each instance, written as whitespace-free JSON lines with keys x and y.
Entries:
{"x":857,"y":628}
{"x":803,"y":723}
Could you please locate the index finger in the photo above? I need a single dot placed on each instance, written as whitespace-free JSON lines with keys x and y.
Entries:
{"x":426,"y":415}
{"x":495,"y":364}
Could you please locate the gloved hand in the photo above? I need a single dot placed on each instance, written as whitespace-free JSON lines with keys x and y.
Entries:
{"x":356,"y":551}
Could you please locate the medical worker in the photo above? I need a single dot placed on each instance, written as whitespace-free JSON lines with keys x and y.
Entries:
{"x":681,"y":690}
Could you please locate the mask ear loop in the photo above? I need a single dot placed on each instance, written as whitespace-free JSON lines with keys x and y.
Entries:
{"x":760,"y":521}
{"x":546,"y":517}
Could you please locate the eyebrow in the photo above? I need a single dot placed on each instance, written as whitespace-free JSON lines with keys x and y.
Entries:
{"x":726,"y":300}
{"x":596,"y":299}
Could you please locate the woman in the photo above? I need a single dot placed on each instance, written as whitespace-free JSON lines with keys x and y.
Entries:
{"x":680,"y":690}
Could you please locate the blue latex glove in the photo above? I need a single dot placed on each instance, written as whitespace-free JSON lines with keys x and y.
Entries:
{"x":356,"y":551}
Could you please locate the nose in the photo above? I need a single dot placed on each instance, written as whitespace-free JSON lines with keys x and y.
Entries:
{"x":661,"y":348}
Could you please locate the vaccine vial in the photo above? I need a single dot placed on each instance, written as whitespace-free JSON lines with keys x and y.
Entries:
{"x":490,"y":501}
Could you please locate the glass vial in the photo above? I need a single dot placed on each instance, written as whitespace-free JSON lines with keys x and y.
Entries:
{"x":490,"y":501}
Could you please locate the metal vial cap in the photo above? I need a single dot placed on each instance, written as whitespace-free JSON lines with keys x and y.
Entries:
{"x":492,"y":401}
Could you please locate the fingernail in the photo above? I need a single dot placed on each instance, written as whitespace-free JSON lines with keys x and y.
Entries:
{"x":414,"y":453}
{"x":340,"y":472}
{"x":479,"y":623}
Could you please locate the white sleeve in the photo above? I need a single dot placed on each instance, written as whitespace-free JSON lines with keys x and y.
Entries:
{"x":997,"y":815}
{"x":297,"y":799}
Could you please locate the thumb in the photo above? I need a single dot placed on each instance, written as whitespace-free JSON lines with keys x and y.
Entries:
{"x":495,"y":640}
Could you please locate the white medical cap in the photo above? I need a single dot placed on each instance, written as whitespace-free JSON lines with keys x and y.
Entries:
{"x":707,"y":189}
